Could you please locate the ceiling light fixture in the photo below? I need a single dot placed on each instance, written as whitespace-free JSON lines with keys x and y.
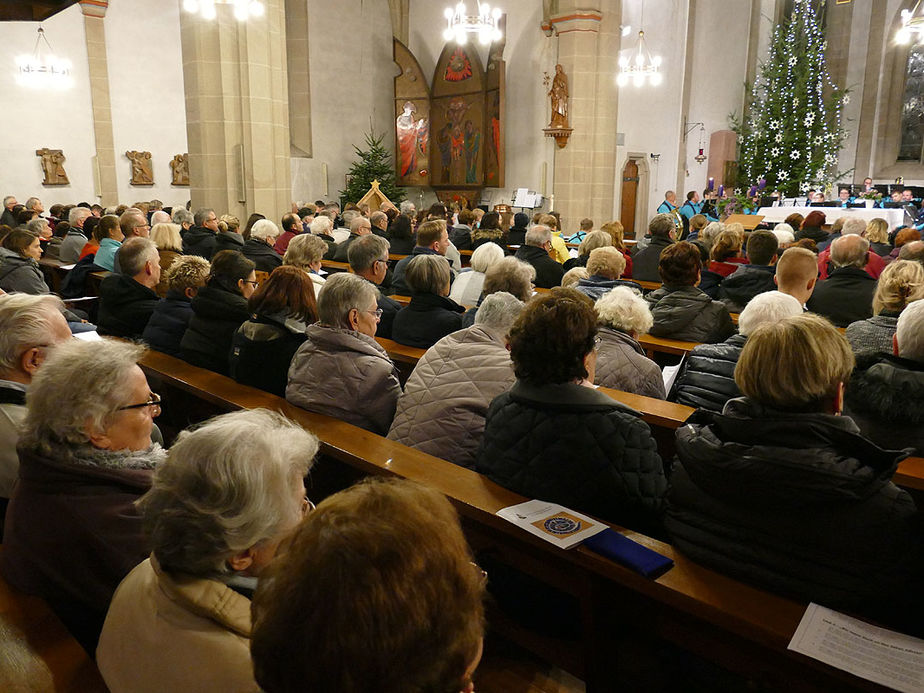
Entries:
{"x":43,"y":71}
{"x":243,"y":9}
{"x":459,"y":24}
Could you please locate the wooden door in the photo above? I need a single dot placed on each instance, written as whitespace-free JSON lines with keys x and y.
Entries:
{"x":629,"y":198}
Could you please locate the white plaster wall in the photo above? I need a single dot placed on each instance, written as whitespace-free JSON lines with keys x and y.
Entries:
{"x":856,"y":72}
{"x":650,"y":117}
{"x":352,"y":85}
{"x":31,"y":119}
{"x":528,"y":53}
{"x":146,"y":92}
{"x":717,"y":81}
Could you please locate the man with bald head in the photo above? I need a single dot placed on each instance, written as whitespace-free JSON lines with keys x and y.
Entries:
{"x":359,"y":226}
{"x":379,"y":221}
{"x":847,"y":294}
{"x":912,"y":251}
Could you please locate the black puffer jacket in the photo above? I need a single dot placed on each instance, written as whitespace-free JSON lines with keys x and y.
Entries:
{"x":548,"y":272}
{"x":168,"y":323}
{"x":125,"y":306}
{"x":574,"y":445}
{"x":800,"y":504}
{"x":263,"y":256}
{"x":199,"y":241}
{"x":262,"y":350}
{"x":745,"y":283}
{"x":687,"y":314}
{"x":594,"y":287}
{"x":885,"y":396}
{"x":426,"y":320}
{"x":217,"y":313}
{"x":228,"y":240}
{"x":645,"y":261}
{"x":708,"y":378}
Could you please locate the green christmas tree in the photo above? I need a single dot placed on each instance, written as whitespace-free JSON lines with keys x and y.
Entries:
{"x":792,"y":134}
{"x":375,"y":163}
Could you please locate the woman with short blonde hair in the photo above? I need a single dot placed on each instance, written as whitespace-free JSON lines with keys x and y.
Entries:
{"x":877,"y":233}
{"x":780,"y":477}
{"x":900,"y":283}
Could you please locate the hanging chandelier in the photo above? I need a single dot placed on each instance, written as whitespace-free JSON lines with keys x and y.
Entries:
{"x":43,"y":69}
{"x":243,"y":9}
{"x":640,"y":66}
{"x":912,"y":29}
{"x":459,"y":24}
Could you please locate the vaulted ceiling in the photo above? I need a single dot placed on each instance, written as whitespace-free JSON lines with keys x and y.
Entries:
{"x":31,"y":10}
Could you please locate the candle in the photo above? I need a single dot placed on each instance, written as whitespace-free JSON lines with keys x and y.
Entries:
{"x":721,"y":191}
{"x":752,"y":191}
{"x":762,"y":184}
{"x":711,"y":184}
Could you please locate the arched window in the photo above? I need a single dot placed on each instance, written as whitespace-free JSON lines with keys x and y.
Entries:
{"x":912,"y":128}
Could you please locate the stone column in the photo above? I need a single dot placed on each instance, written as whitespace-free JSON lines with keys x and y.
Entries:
{"x":93,"y":13}
{"x":588,"y":50}
{"x":237,"y":120}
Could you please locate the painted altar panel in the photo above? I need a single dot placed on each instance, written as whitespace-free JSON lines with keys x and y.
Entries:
{"x":495,"y":117}
{"x":412,"y":120}
{"x":458,"y":119}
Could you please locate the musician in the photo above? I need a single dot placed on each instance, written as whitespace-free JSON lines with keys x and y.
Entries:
{"x":692,"y":206}
{"x":709,"y":207}
{"x":669,"y":204}
{"x":843,"y":196}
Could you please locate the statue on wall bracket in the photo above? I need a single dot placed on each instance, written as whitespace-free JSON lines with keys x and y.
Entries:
{"x":180,"y":167}
{"x":559,"y":126}
{"x":142,"y":170}
{"x":53,"y":166}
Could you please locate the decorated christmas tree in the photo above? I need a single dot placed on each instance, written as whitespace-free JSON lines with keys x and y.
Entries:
{"x":375,"y":163}
{"x":792,"y":133}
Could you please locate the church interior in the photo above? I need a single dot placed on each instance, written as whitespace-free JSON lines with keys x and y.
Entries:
{"x":662,"y":398}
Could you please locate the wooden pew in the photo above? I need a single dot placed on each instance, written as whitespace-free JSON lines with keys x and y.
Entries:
{"x":663,"y":417}
{"x":403,"y":300}
{"x":647,"y":286}
{"x":739,"y":627}
{"x":54,"y":272}
{"x":661,"y":345}
{"x":37,"y":653}
{"x":334,"y":266}
{"x":261,"y":276}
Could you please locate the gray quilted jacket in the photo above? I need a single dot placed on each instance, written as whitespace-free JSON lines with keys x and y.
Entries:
{"x":344,"y":374}
{"x":873,"y":335}
{"x":446,"y":399}
{"x":622,"y":365}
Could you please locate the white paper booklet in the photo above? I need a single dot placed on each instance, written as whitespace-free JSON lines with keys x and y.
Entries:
{"x":554,"y":523}
{"x":89,"y":336}
{"x":870,"y":652}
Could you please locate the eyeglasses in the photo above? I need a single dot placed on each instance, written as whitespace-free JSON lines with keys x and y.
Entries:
{"x":255,"y":283}
{"x":307,"y":506}
{"x":377,"y":313}
{"x":153,"y":402}
{"x":597,"y":341}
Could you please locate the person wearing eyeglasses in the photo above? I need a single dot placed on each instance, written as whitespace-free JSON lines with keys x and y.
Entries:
{"x":85,"y":456}
{"x":262,"y":348}
{"x":368,"y":258}
{"x":220,"y":504}
{"x":219,"y":308}
{"x":127,"y":300}
{"x":340,"y":370}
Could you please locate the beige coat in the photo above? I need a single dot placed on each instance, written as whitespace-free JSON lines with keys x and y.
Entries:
{"x":175,"y":634}
{"x":622,"y":365}
{"x":446,"y":399}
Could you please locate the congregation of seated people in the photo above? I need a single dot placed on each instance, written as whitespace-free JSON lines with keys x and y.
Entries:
{"x":192,"y":567}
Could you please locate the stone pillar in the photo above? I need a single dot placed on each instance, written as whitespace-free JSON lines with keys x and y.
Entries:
{"x":400,"y":19}
{"x":93,"y":13}
{"x":237,"y":119}
{"x":585,"y":170}
{"x":299,"y":78}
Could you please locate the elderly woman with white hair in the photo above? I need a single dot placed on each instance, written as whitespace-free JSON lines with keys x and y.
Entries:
{"x":259,"y":247}
{"x":707,"y":380}
{"x":85,"y":454}
{"x":219,"y":506}
{"x":605,"y":267}
{"x":784,"y":234}
{"x":340,"y":370}
{"x":623,"y":315}
{"x":445,"y":401}
{"x":306,"y":251}
{"x":322,"y":226}
{"x":466,"y":289}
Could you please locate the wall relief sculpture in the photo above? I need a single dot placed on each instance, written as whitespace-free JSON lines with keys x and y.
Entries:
{"x":180,"y":167}
{"x":53,"y":166}
{"x":142,"y":169}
